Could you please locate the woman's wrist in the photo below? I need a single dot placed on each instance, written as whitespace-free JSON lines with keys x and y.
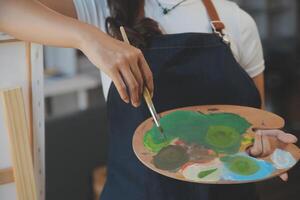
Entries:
{"x":87,"y":34}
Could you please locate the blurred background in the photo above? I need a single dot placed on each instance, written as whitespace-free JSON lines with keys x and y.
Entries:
{"x":76,"y":130}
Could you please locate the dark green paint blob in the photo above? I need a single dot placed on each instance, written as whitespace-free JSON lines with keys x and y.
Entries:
{"x":234,"y":121}
{"x":170,"y":158}
{"x":203,"y":174}
{"x":193,"y":127}
{"x":223,"y":139}
{"x":241,"y":165}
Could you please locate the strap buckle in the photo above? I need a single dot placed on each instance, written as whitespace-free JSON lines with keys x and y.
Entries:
{"x":221,"y":33}
{"x":212,"y":23}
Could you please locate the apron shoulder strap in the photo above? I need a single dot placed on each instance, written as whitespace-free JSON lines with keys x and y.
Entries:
{"x":217,"y":25}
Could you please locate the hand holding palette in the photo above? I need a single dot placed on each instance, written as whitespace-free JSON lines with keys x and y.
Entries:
{"x":207,"y":144}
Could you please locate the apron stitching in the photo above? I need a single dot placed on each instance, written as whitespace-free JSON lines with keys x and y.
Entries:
{"x":186,"y":47}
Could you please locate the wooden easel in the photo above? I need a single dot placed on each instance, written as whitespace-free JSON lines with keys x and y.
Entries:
{"x":21,"y":64}
{"x":20,"y":147}
{"x":6,"y":176}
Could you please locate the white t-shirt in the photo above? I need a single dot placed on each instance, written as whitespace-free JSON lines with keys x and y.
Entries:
{"x":190,"y":16}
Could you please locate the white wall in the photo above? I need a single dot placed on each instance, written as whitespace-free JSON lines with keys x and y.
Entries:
{"x":275,"y":18}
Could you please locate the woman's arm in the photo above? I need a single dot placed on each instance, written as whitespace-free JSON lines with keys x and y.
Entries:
{"x":259,"y":82}
{"x":32,"y":21}
{"x":65,"y":7}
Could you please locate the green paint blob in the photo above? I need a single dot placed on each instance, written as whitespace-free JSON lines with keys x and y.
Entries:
{"x":155,"y":143}
{"x":241,"y":165}
{"x":170,"y":158}
{"x":223,"y":139}
{"x":234,"y":121}
{"x":198,"y":128}
{"x":203,"y":174}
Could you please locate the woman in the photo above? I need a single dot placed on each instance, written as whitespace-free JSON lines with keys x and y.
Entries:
{"x":189,"y":65}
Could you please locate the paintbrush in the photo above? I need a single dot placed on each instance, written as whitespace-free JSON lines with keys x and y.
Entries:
{"x":146,"y":92}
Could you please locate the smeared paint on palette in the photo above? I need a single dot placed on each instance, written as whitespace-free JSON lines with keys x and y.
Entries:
{"x":209,"y":147}
{"x":221,"y":132}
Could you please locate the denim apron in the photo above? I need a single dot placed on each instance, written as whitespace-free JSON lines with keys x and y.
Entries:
{"x":188,"y":69}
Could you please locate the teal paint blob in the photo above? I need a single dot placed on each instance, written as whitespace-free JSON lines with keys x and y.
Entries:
{"x":241,"y":167}
{"x":221,"y":132}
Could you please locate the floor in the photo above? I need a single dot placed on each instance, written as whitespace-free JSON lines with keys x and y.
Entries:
{"x":75,"y":146}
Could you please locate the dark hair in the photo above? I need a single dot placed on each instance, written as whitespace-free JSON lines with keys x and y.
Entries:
{"x":131,"y":15}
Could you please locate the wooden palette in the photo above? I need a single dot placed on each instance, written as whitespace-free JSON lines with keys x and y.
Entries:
{"x":217,"y":165}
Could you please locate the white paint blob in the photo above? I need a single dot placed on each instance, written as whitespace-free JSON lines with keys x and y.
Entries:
{"x":214,"y":168}
{"x":282,"y":159}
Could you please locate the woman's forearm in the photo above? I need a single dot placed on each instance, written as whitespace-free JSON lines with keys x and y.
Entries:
{"x":259,"y":82}
{"x":32,"y":21}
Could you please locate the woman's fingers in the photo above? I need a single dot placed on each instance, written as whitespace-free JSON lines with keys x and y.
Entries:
{"x":137,"y":74}
{"x":266,"y":146}
{"x":284,"y":177}
{"x":132,"y":85}
{"x":281,"y":136}
{"x":147,"y":74}
{"x":257,"y":150}
{"x":287,"y":138}
{"x":262,"y":146}
{"x":120,"y":85}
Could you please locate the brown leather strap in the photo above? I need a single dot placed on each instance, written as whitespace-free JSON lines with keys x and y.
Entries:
{"x":214,"y":17}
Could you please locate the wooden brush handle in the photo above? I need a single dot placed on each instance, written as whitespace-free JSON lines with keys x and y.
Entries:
{"x":146,"y":92}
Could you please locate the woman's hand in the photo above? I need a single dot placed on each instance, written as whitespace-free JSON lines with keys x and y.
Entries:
{"x":266,"y":141}
{"x":124,"y":64}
